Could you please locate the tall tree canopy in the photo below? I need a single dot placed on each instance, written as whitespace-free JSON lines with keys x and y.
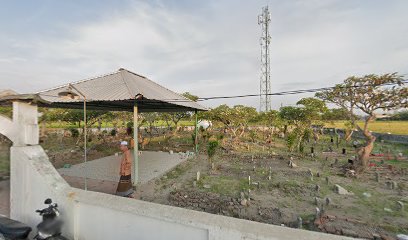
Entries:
{"x":369,"y":94}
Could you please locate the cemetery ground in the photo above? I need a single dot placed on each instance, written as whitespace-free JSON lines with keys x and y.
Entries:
{"x":254,"y":180}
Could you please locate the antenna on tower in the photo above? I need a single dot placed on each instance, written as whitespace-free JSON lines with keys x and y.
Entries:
{"x":265,"y":80}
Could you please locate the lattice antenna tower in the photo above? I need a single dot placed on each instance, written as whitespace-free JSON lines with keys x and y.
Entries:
{"x":264,"y":20}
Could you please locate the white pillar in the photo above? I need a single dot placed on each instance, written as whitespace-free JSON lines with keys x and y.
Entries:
{"x":25,"y":119}
{"x":135,"y":175}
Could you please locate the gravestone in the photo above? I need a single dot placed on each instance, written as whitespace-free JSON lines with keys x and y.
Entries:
{"x":310,"y":173}
{"x":377,"y":177}
{"x":317,"y":214}
{"x":400,"y":206}
{"x":299,"y":222}
{"x":328,"y":201}
{"x":317,"y":188}
{"x":394,"y":185}
{"x":198,"y":176}
{"x":342,"y":191}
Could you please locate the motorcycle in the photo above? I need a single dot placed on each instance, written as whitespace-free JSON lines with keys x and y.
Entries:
{"x":48,"y":229}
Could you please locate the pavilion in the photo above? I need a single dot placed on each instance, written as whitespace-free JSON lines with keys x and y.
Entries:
{"x":122,"y":90}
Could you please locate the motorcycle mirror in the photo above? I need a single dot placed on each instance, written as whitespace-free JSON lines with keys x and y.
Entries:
{"x":48,"y":201}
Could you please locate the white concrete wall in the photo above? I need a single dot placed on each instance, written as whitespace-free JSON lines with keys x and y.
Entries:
{"x":93,"y":215}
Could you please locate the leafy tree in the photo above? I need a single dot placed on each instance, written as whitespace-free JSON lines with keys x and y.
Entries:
{"x":176,"y":117}
{"x":270,"y":119}
{"x":301,"y":118}
{"x":190,"y":96}
{"x":400,"y":116}
{"x":151,"y":118}
{"x":234,"y":119}
{"x":335,"y":114}
{"x":369,"y":94}
{"x":74,"y":116}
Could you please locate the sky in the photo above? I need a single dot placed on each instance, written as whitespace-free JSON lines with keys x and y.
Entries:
{"x":208,"y":48}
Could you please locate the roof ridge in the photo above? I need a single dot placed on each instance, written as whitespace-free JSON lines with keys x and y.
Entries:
{"x":158,"y":85}
{"x":80,"y":81}
{"x":124,"y":81}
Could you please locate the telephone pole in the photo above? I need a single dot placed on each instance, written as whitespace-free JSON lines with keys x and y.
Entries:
{"x":264,"y":20}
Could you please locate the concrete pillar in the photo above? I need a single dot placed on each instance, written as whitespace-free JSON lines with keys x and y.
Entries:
{"x":25,"y":120}
{"x":135,"y":175}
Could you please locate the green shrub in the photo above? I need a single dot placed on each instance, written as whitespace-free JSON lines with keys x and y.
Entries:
{"x":291,"y":141}
{"x":212,"y":148}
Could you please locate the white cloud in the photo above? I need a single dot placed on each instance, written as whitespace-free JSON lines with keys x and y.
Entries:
{"x":214,"y":50}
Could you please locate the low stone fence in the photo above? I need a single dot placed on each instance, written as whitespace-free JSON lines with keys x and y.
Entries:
{"x":380,"y":136}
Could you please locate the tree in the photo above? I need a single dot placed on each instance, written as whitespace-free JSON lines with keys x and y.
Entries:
{"x":190,"y":96}
{"x":369,"y":94}
{"x":335,"y":114}
{"x":150,"y":118}
{"x":271,"y":119}
{"x":74,"y":116}
{"x":176,"y":117}
{"x":400,"y":116}
{"x":308,"y":112}
{"x":234,"y":119}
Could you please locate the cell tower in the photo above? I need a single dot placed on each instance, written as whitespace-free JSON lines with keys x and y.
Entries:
{"x":265,"y":82}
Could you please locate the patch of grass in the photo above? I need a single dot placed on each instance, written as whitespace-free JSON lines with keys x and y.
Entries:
{"x":376,"y":203}
{"x":394,"y":229}
{"x":178,"y":171}
{"x":224,"y":185}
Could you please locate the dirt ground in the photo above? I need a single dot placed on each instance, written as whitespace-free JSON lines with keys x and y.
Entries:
{"x":278,"y":194}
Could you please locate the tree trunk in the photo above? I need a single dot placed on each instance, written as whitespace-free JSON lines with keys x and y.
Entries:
{"x":347,"y":135}
{"x":234,"y":131}
{"x":242,"y":133}
{"x":365,"y":151}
